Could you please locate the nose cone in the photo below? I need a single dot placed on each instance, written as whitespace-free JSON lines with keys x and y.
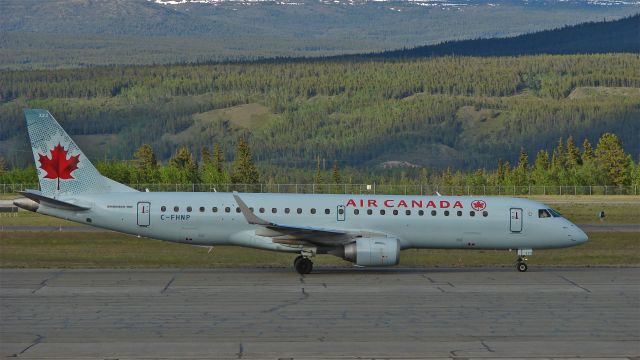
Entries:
{"x":578,"y":236}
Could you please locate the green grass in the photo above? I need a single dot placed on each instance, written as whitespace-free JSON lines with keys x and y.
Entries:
{"x":110,"y":250}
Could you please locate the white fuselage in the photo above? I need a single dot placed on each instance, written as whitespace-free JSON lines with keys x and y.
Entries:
{"x":421,"y":221}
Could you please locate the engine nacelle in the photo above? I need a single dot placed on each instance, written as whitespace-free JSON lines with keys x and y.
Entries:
{"x":373,"y":252}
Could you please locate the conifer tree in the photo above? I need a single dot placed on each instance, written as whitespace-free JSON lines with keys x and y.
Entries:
{"x":573,"y":154}
{"x":523,"y":161}
{"x":146,"y":164}
{"x":558,"y":159}
{"x":587,"y":154}
{"x":244,"y":171}
{"x":218,"y":158}
{"x":318,"y":178}
{"x":205,"y":156}
{"x":611,"y":158}
{"x":542,"y":160}
{"x":335,"y":174}
{"x":186,"y":165}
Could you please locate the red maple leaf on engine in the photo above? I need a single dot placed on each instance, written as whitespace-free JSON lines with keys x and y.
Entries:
{"x":59,"y":167}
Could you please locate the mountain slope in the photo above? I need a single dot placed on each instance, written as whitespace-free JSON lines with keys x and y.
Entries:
{"x":621,"y":35}
{"x":76,"y":33}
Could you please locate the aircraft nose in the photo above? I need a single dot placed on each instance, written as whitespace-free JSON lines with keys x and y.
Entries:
{"x":582,"y":236}
{"x":579,"y":236}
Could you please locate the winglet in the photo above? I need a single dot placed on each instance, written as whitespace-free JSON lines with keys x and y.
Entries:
{"x":248,"y":214}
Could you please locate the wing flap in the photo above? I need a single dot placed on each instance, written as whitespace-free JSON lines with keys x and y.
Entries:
{"x":307,"y":234}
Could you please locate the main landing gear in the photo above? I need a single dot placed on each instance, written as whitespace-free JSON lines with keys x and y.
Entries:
{"x":521,"y":265}
{"x":303,"y":265}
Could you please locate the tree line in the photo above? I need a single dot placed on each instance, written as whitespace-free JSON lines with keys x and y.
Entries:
{"x":568,"y":164}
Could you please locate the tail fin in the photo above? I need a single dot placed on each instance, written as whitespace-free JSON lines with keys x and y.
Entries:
{"x":63,"y":169}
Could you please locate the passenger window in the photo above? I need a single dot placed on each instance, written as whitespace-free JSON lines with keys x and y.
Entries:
{"x":176,"y":209}
{"x":238,"y":210}
{"x":227,"y":209}
{"x":189,"y":208}
{"x":261,"y":210}
{"x":543,"y":213}
{"x":313,"y":210}
{"x":327,"y":211}
{"x":201,"y":208}
{"x":472,"y":213}
{"x":274,"y":210}
{"x":408,"y":212}
{"x":395,"y":212}
{"x":382,"y":212}
{"x":299,"y":211}
{"x":356,"y":211}
{"x":459,"y":213}
{"x":287,"y":210}
{"x":214,"y":209}
{"x":163,"y":208}
{"x":434,"y":213}
{"x":446,"y":213}
{"x":421,"y":212}
{"x":369,"y":212}
{"x":485,"y":214}
{"x":251,"y":209}
{"x":340,"y":211}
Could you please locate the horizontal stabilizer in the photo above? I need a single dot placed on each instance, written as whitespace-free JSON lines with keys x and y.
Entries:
{"x":55,"y":203}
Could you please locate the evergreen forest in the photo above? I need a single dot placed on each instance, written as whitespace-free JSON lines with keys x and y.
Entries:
{"x":370,"y":117}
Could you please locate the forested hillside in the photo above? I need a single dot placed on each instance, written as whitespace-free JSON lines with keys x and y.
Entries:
{"x":439,"y":112}
{"x":588,"y":38}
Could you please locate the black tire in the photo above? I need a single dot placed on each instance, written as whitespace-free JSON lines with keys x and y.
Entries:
{"x":304,"y":266}
{"x":297,"y":259}
{"x":521,"y":266}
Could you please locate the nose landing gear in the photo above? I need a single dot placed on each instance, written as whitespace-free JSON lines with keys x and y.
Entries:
{"x":521,"y":265}
{"x":303,"y":265}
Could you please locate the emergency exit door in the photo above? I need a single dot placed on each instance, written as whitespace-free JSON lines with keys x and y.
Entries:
{"x":516,"y":220}
{"x":144,"y":214}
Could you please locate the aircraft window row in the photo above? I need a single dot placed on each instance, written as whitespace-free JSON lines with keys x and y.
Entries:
{"x":542,"y":213}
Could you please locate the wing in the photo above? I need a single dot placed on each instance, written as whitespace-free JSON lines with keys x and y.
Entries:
{"x":289,"y":234}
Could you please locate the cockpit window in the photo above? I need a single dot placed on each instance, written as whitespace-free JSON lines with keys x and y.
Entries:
{"x":543,"y":213}
{"x":554,"y":213}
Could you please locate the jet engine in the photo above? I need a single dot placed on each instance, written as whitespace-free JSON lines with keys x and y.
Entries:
{"x":373,"y":252}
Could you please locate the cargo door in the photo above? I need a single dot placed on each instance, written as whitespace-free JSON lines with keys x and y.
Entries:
{"x":516,"y":220}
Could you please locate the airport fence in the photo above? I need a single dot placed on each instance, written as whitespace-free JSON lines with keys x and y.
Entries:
{"x":387,"y":189}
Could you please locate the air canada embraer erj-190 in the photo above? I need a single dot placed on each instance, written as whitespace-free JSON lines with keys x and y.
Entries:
{"x":368,"y":230}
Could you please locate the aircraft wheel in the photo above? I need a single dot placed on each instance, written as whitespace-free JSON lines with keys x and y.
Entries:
{"x":296,"y":261}
{"x":303,"y":266}
{"x":522,"y":266}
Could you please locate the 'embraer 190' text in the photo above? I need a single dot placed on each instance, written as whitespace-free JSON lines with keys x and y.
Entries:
{"x":391,"y":203}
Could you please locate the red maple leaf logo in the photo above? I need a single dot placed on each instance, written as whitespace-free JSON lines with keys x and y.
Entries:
{"x":59,"y":167}
{"x":478,"y":205}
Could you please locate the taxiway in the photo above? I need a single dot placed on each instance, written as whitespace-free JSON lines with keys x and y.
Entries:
{"x":332,"y":313}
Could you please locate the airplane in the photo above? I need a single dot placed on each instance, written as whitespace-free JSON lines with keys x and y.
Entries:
{"x":367,"y":230}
